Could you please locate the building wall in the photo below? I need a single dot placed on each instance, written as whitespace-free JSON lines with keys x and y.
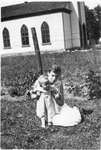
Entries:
{"x":56,"y":33}
{"x":82,"y":12}
{"x":67,"y":30}
{"x":75,"y":30}
{"x":82,"y":23}
{"x":75,"y":5}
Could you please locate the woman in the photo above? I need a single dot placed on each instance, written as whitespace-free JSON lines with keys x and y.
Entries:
{"x":65,"y":115}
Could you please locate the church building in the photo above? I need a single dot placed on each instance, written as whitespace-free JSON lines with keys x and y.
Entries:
{"x":59,"y":26}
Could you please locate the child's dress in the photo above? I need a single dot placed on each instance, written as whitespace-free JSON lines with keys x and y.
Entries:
{"x":68,"y":116}
{"x":45,"y":106}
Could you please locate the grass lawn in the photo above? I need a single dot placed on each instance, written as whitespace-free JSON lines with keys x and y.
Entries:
{"x":20,"y":127}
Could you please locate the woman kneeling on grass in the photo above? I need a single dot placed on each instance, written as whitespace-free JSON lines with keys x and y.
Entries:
{"x":50,"y":105}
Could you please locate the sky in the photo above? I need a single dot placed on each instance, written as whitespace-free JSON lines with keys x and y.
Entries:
{"x":90,"y":3}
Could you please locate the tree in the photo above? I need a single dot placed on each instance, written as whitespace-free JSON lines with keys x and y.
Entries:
{"x":93,"y":20}
{"x":97,"y":11}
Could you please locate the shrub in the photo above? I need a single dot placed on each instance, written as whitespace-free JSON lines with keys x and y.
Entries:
{"x":13,"y":91}
{"x":93,"y":82}
{"x":89,"y":86}
{"x":16,"y":91}
{"x":4,"y":91}
{"x":20,"y":83}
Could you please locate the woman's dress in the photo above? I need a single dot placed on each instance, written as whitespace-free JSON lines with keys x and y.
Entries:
{"x":68,"y":116}
{"x":65,"y":115}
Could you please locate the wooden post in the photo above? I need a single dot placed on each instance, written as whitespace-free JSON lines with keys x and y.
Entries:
{"x":37,"y":50}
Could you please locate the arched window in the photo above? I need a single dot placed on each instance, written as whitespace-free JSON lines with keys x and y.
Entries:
{"x":6,"y":39}
{"x":24,"y":36}
{"x":45,"y":33}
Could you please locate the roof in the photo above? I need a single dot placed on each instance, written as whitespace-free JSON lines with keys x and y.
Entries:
{"x":32,"y":9}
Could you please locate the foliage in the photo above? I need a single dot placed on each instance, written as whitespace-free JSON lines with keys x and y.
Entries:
{"x":89,"y":86}
{"x":93,"y":23}
{"x":18,"y":77}
{"x":21,"y":72}
{"x":20,"y":83}
{"x":97,"y":11}
{"x":94,"y":85}
{"x":4,"y":91}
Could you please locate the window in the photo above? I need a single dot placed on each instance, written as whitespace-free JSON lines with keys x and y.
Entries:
{"x":24,"y":36}
{"x":6,"y":39}
{"x":45,"y":33}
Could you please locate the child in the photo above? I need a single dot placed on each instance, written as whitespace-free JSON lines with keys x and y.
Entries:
{"x":45,"y":108}
{"x":54,"y":99}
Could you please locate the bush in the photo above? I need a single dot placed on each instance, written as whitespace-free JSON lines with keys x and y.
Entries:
{"x":4,"y":91}
{"x":13,"y":91}
{"x":89,"y":86}
{"x":93,"y":81}
{"x":21,"y":83}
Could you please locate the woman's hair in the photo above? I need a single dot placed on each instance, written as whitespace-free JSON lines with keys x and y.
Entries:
{"x":56,"y":69}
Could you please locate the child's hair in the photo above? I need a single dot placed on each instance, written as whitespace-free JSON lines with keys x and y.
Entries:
{"x":43,"y":79}
{"x":56,"y":69}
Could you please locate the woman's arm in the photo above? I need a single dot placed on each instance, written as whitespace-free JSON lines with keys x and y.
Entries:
{"x":58,"y":93}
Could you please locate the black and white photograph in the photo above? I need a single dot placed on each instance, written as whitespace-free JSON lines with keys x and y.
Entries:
{"x":50,"y":58}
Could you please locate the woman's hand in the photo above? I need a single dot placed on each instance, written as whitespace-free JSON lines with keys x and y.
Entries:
{"x":38,"y":93}
{"x":57,"y":95}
